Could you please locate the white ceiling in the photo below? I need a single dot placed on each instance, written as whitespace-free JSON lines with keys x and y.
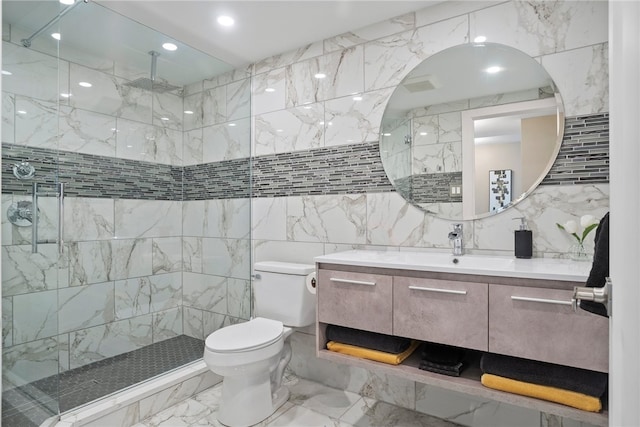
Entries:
{"x":263,"y":28}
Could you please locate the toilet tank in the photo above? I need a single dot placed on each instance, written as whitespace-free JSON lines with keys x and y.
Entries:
{"x":280,"y":293}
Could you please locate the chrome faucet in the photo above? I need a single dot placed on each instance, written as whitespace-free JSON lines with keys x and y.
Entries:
{"x":456,"y":237}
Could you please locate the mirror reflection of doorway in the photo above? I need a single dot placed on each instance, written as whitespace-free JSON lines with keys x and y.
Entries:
{"x":520,"y":139}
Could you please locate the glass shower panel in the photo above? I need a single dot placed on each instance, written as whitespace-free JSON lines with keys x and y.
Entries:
{"x":33,"y":268}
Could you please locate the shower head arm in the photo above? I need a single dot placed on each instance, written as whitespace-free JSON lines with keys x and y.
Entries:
{"x":27,"y":42}
{"x":154,"y":63}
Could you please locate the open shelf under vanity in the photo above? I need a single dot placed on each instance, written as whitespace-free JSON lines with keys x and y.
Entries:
{"x":467,"y":383}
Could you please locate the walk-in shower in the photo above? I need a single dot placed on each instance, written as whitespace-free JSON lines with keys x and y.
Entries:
{"x":123,"y":244}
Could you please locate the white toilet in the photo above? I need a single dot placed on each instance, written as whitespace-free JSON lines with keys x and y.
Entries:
{"x":252,"y":356}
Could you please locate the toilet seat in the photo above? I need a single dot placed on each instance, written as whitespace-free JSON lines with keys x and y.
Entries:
{"x":252,"y":335}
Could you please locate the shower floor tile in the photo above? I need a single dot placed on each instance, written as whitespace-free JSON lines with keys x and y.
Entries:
{"x":93,"y":381}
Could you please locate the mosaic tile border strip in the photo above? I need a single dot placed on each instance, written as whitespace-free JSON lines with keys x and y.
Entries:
{"x":431,"y":187}
{"x":221,"y":180}
{"x":86,"y":175}
{"x":584,"y":154}
{"x":346,"y":169}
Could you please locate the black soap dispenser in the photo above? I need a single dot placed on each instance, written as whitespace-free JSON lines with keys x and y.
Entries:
{"x":523,"y":240}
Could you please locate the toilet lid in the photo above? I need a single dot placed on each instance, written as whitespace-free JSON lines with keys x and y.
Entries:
{"x":254,"y":334}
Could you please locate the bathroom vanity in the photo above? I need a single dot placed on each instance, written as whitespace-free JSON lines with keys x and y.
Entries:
{"x":515,"y":307}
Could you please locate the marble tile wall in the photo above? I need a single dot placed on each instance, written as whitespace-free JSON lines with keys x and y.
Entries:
{"x":573,"y":62}
{"x":568,"y":38}
{"x":216,"y":208}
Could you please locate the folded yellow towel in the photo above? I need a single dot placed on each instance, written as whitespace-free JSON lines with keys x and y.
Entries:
{"x":552,"y":394}
{"x":378,"y":356}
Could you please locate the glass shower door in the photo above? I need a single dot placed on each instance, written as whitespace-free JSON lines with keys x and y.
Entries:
{"x":33,"y":267}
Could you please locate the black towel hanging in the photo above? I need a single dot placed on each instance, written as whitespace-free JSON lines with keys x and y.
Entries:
{"x":600,"y":267}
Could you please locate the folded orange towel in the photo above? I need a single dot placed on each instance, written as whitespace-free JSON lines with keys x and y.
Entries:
{"x":378,"y":356}
{"x":552,"y":394}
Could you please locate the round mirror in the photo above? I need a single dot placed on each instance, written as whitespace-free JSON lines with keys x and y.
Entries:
{"x":471,"y":131}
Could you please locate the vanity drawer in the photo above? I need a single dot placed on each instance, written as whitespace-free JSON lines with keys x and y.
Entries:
{"x":540,"y":324}
{"x":357,"y":300}
{"x":441,"y":311}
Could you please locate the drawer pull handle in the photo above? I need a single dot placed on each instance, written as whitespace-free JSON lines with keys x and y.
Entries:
{"x":542,"y":300}
{"x":442,"y":291}
{"x":352,"y":282}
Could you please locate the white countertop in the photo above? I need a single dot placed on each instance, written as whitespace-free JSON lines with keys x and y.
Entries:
{"x":486,"y":265}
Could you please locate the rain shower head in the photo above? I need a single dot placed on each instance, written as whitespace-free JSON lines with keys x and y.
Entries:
{"x":152,"y":84}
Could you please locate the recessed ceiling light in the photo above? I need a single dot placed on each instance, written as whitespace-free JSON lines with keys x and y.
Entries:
{"x":67,"y":1}
{"x":170,"y":46}
{"x":269,"y":89}
{"x":320,"y":75}
{"x":225,"y":21}
{"x":386,"y":134}
{"x":232,"y":124}
{"x":65,"y":95}
{"x":357,"y":98}
{"x":6,"y":73}
{"x":188,"y":112}
{"x":480,"y":39}
{"x":423,"y":133}
{"x":85,"y":84}
{"x":55,"y":36}
{"x":21,"y":112}
{"x":279,"y":130}
{"x":164,"y":119}
{"x":494,"y":69}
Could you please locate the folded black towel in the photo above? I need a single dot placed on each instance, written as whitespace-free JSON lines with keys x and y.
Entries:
{"x":582,"y":381}
{"x":451,"y":370}
{"x":600,"y":267}
{"x":366,"y":339}
{"x":441,"y":353}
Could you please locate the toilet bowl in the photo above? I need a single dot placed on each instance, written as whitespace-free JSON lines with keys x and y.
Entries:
{"x":252,"y":356}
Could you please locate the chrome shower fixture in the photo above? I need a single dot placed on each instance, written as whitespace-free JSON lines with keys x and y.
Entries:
{"x":152,"y":84}
{"x":27,"y":42}
{"x":21,"y":213}
{"x":24,"y":170}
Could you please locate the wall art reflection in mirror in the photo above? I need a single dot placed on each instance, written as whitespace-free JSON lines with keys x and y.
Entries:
{"x":466,"y":111}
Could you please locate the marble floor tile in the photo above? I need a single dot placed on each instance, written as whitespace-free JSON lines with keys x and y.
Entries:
{"x":371,"y":413}
{"x":310,"y":405}
{"x":320,"y":398}
{"x":301,"y":416}
{"x":186,"y":413}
